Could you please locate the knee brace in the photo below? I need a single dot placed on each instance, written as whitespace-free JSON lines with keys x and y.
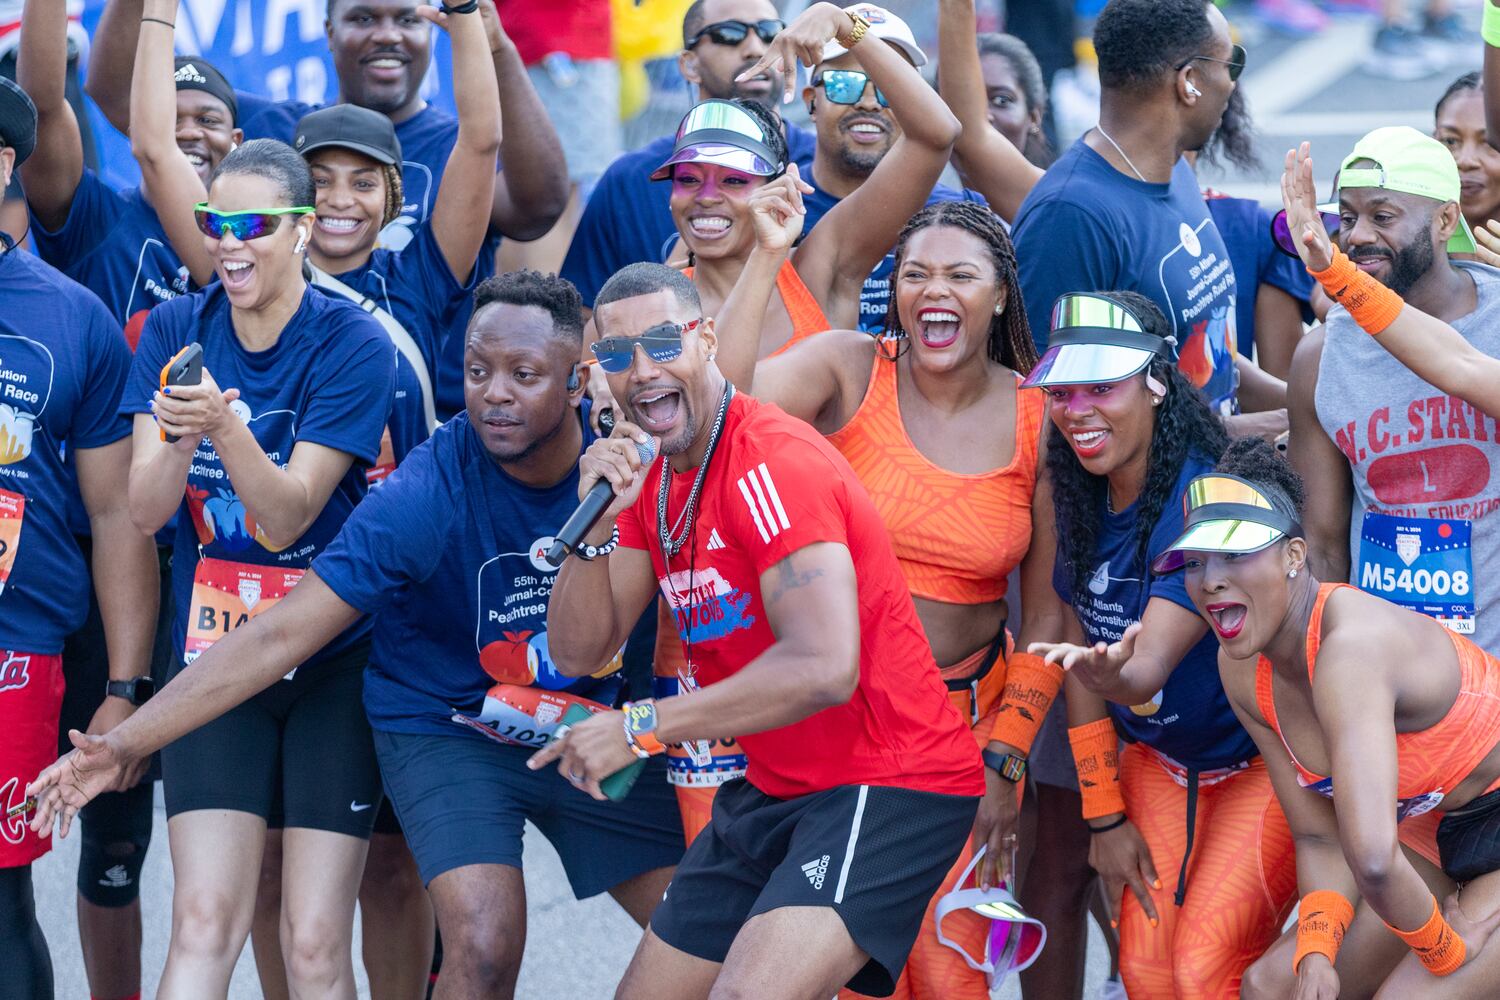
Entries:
{"x":116,"y":834}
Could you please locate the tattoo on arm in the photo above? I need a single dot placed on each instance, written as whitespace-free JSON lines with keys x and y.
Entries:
{"x":788,"y":577}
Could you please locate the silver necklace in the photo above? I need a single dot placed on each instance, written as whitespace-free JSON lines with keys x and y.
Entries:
{"x":674,"y":539}
{"x":1100,"y":130}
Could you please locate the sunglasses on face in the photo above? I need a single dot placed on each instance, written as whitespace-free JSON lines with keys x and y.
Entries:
{"x":846,"y":86}
{"x":662,"y":343}
{"x":735,"y":32}
{"x":1235,"y":62}
{"x":243,"y":226}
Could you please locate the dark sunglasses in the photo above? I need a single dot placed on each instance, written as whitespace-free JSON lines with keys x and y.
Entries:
{"x":1281,"y":233}
{"x":1235,"y":62}
{"x":735,"y":32}
{"x":846,"y":86}
{"x":244,"y":226}
{"x":662,"y":343}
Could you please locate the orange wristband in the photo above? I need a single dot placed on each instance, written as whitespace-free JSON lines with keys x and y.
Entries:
{"x":1323,"y":917}
{"x":1031,"y":684}
{"x":1436,"y":943}
{"x":1373,"y":306}
{"x":1096,"y":751}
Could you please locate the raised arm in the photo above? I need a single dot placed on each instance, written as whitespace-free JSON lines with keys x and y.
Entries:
{"x":991,"y":164}
{"x":532,"y":191}
{"x":168,"y":178}
{"x":243,"y":663}
{"x":111,"y":56}
{"x":52,"y":172}
{"x":460,"y":218}
{"x":1133,"y":669}
{"x":1492,"y":72}
{"x":838,"y":255}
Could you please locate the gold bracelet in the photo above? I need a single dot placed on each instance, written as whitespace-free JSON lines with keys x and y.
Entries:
{"x":856,"y":31}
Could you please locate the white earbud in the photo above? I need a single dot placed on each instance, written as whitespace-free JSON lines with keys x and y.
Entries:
{"x":233,"y":146}
{"x":1194,"y":91}
{"x":301,"y":244}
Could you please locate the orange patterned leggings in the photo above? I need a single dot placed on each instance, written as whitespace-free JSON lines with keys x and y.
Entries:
{"x":1242,"y":881}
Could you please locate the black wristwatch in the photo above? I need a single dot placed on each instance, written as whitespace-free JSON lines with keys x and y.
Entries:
{"x":137,"y":690}
{"x":1010,"y":766}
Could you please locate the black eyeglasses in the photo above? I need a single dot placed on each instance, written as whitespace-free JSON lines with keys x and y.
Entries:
{"x":1235,"y":62}
{"x":735,"y":32}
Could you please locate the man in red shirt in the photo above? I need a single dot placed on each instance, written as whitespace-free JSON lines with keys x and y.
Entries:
{"x":801,"y":640}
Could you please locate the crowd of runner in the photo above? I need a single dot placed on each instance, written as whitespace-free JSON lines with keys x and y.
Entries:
{"x":959,"y":560}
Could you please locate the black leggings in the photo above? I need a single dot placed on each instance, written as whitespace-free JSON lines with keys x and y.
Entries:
{"x":25,"y":964}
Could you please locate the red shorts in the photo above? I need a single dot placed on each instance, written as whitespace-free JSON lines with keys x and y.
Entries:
{"x":31,"y":693}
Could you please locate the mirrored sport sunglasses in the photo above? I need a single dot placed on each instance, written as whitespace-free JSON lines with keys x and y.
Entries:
{"x":1235,"y":62}
{"x":846,"y":86}
{"x":735,"y":32}
{"x":244,"y":226}
{"x":1281,"y":232}
{"x":662,"y":343}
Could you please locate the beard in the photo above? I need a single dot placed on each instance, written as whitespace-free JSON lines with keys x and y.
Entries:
{"x":686,"y":433}
{"x":1408,"y":264}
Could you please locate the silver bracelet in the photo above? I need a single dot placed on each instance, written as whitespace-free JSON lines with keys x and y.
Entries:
{"x":588,"y":552}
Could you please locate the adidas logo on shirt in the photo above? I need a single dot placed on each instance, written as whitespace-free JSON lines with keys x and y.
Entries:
{"x":714,"y":541}
{"x":759,"y":491}
{"x":189,"y":74}
{"x":818,"y":869}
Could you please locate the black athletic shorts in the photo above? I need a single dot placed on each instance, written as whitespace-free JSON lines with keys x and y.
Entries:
{"x":874,"y":854}
{"x":1468,"y":839}
{"x":298,"y":753}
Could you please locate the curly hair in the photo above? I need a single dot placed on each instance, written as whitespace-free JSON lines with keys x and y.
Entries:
{"x":555,"y":296}
{"x":1234,"y":140}
{"x":1183,"y":426}
{"x":1010,"y":340}
{"x":1140,"y":41}
{"x":1254,"y":459}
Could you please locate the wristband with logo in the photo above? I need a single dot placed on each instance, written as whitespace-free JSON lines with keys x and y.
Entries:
{"x":1322,"y":918}
{"x":1096,"y":751}
{"x":1436,"y":943}
{"x":640,"y":728}
{"x":1372,"y":305}
{"x":1031,"y":684}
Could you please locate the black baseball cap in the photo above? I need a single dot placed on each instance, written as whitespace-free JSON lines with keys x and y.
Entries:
{"x":197,"y":73}
{"x":17,"y":120}
{"x":349,"y":126}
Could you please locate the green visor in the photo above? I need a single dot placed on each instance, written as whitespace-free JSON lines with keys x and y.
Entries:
{"x":1095,"y":339}
{"x":1224,"y":513}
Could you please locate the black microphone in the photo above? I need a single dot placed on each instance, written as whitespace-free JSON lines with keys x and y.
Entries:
{"x":599,"y":497}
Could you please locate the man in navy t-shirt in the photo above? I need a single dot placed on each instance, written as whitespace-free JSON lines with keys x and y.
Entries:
{"x":381,"y":52}
{"x":461,"y":688}
{"x":1121,"y":209}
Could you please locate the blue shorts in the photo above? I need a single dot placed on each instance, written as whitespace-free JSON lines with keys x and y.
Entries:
{"x":463,"y":800}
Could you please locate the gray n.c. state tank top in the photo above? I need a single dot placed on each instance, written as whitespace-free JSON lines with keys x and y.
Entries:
{"x":1424,"y":530}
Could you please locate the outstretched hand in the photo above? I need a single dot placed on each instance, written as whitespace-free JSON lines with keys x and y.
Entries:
{"x":1304,"y":221}
{"x":1098,"y":666}
{"x":71,"y":782}
{"x":801,"y":41}
{"x":778,"y":211}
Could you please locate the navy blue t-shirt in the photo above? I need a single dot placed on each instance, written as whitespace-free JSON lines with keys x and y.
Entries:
{"x":1246,"y":229}
{"x":327,"y":380}
{"x":113,"y":244}
{"x":1190,"y":719}
{"x":63,"y":366}
{"x":419,"y":290}
{"x":628,"y":218}
{"x":1086,"y":227}
{"x":447,"y":555}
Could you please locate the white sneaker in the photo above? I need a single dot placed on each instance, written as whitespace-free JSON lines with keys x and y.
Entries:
{"x":1111,"y":989}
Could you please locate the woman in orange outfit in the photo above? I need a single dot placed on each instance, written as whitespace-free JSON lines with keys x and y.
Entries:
{"x":934,"y":422}
{"x":1389,"y":775}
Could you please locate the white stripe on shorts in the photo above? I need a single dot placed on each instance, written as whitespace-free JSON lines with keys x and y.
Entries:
{"x":859,"y":815}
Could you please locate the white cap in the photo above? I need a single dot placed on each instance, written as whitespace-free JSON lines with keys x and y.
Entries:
{"x":885,"y":25}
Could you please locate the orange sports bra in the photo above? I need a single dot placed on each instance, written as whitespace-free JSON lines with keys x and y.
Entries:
{"x":956,"y":535}
{"x":807,"y":316}
{"x":1431,"y":762}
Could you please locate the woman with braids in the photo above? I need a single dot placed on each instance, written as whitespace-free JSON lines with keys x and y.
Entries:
{"x":934,"y":423}
{"x":1389,"y":775}
{"x":1185,"y":816}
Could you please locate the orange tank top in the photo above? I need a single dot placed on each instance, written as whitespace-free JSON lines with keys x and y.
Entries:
{"x":807,"y":316}
{"x":1432,"y":762}
{"x":956,"y":535}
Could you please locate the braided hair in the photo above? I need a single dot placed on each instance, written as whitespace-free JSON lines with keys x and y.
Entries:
{"x":1183,"y":427}
{"x":395,"y":196}
{"x":1010,"y":340}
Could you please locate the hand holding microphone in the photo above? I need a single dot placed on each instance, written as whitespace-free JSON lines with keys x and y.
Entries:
{"x":610,"y":479}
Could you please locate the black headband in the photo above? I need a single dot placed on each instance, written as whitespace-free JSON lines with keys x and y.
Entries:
{"x":194,"y":73}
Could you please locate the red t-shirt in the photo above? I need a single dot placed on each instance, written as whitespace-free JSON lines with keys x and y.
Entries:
{"x":579,"y":28}
{"x":773,"y":487}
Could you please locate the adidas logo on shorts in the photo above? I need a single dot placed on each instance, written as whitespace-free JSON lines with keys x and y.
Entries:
{"x":816,"y":871}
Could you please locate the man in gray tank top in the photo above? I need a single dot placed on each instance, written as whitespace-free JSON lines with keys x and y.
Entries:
{"x":1403,"y":480}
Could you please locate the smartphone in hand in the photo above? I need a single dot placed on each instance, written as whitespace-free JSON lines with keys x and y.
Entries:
{"x":185,"y":368}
